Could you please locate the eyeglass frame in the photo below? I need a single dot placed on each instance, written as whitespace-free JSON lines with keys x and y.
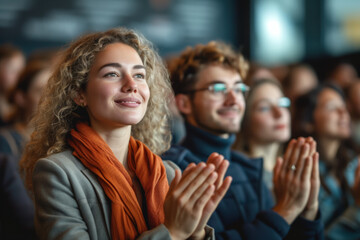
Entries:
{"x":224,"y":92}
{"x":282,"y":102}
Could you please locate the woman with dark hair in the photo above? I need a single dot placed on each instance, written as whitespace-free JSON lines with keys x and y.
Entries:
{"x":92,"y":161}
{"x":25,"y":97}
{"x":322,"y":114}
{"x":12,"y":62}
{"x":266,"y":125}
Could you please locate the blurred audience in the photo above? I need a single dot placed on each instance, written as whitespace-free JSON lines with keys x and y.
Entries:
{"x":176,"y":120}
{"x":343,"y":75}
{"x":25,"y":97}
{"x":12,"y":62}
{"x":209,"y":92}
{"x":257,"y":71}
{"x":16,"y":207}
{"x":265,"y":126}
{"x":353,"y":104}
{"x":322,"y":113}
{"x":301,"y":78}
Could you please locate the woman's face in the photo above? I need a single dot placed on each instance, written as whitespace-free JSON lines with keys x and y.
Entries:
{"x":269,"y":116}
{"x":117,"y":93}
{"x":331,"y":118}
{"x":33,"y":94}
{"x":10,"y":70}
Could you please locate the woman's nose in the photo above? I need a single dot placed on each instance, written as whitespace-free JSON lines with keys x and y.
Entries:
{"x":277,"y":111}
{"x":130,"y":84}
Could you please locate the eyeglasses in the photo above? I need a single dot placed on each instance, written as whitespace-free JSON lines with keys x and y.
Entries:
{"x":221,"y":90}
{"x":266,"y":106}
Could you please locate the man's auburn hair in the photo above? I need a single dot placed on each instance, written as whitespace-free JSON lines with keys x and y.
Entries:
{"x":183,"y":69}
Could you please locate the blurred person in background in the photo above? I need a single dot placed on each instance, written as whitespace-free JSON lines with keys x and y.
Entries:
{"x":25,"y":97}
{"x":265,"y":126}
{"x":16,"y":207}
{"x":301,"y":78}
{"x":209,"y":93}
{"x":353,"y":104}
{"x":322,"y":114}
{"x":176,"y":120}
{"x":12,"y":62}
{"x":343,"y":75}
{"x":257,"y":71}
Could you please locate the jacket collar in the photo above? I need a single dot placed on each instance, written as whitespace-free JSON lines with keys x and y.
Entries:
{"x":202,"y":143}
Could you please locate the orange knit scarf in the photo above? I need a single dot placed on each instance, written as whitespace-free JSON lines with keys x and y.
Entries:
{"x":127,"y":218}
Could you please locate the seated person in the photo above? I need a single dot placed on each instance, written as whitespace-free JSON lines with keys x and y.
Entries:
{"x":322,"y":114}
{"x":12,"y":62}
{"x":208,"y":85}
{"x":17,"y":210}
{"x":25,"y":97}
{"x":91,"y":162}
{"x":265,"y":126}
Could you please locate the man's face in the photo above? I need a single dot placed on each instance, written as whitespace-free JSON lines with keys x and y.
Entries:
{"x":222,"y":113}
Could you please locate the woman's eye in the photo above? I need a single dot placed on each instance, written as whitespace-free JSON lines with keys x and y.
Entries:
{"x":140,"y":75}
{"x":264,"y":109}
{"x":112,"y":74}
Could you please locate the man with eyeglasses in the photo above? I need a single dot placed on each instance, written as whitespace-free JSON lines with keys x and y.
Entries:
{"x":209,"y":91}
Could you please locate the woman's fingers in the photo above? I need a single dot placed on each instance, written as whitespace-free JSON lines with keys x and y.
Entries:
{"x":312,"y":144}
{"x":190,"y":183}
{"x":176,"y":180}
{"x":305,"y":176}
{"x":221,"y":166}
{"x":315,"y":172}
{"x":288,"y":153}
{"x":201,"y":200}
{"x":301,"y":161}
{"x":188,"y":168}
{"x":200,"y":190}
{"x":221,"y":170}
{"x":298,"y":150}
{"x":277,"y":171}
{"x":215,"y":159}
{"x":219,"y":194}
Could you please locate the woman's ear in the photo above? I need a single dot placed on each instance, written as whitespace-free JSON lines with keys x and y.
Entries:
{"x":183,"y":103}
{"x":80,"y":100}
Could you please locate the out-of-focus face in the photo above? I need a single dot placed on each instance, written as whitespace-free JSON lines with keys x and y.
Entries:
{"x":269,"y":116}
{"x":218,"y":114}
{"x":33,"y":95}
{"x":331,"y":118}
{"x":354,"y":99}
{"x":9,"y":71}
{"x":303,"y":81}
{"x":117,"y":93}
{"x":344,"y":75}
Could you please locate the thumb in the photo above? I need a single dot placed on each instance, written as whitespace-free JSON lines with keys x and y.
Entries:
{"x":176,"y":180}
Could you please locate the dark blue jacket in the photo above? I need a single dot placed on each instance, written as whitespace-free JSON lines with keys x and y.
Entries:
{"x":16,"y":207}
{"x":245,"y":212}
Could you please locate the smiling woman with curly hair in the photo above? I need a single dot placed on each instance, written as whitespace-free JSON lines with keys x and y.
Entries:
{"x":91,"y":163}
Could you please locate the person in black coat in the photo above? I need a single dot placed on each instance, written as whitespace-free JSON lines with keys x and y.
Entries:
{"x":17,"y":210}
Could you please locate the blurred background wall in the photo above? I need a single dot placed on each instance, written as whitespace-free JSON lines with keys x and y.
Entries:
{"x":270,"y":32}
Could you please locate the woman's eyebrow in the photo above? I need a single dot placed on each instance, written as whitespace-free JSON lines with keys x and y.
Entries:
{"x":118,"y":65}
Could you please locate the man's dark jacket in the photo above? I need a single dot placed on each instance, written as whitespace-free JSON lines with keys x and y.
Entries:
{"x":245,"y":211}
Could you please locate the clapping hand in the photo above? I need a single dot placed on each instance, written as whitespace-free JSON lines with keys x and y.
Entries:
{"x":193,"y":196}
{"x":292,"y":179}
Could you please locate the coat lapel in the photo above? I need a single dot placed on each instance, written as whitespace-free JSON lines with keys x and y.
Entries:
{"x":103,"y":200}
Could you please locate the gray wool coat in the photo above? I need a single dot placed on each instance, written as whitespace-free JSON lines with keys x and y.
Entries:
{"x":71,"y":204}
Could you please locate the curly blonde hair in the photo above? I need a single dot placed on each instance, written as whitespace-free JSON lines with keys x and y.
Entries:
{"x":184,"y":69}
{"x":57,"y":113}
